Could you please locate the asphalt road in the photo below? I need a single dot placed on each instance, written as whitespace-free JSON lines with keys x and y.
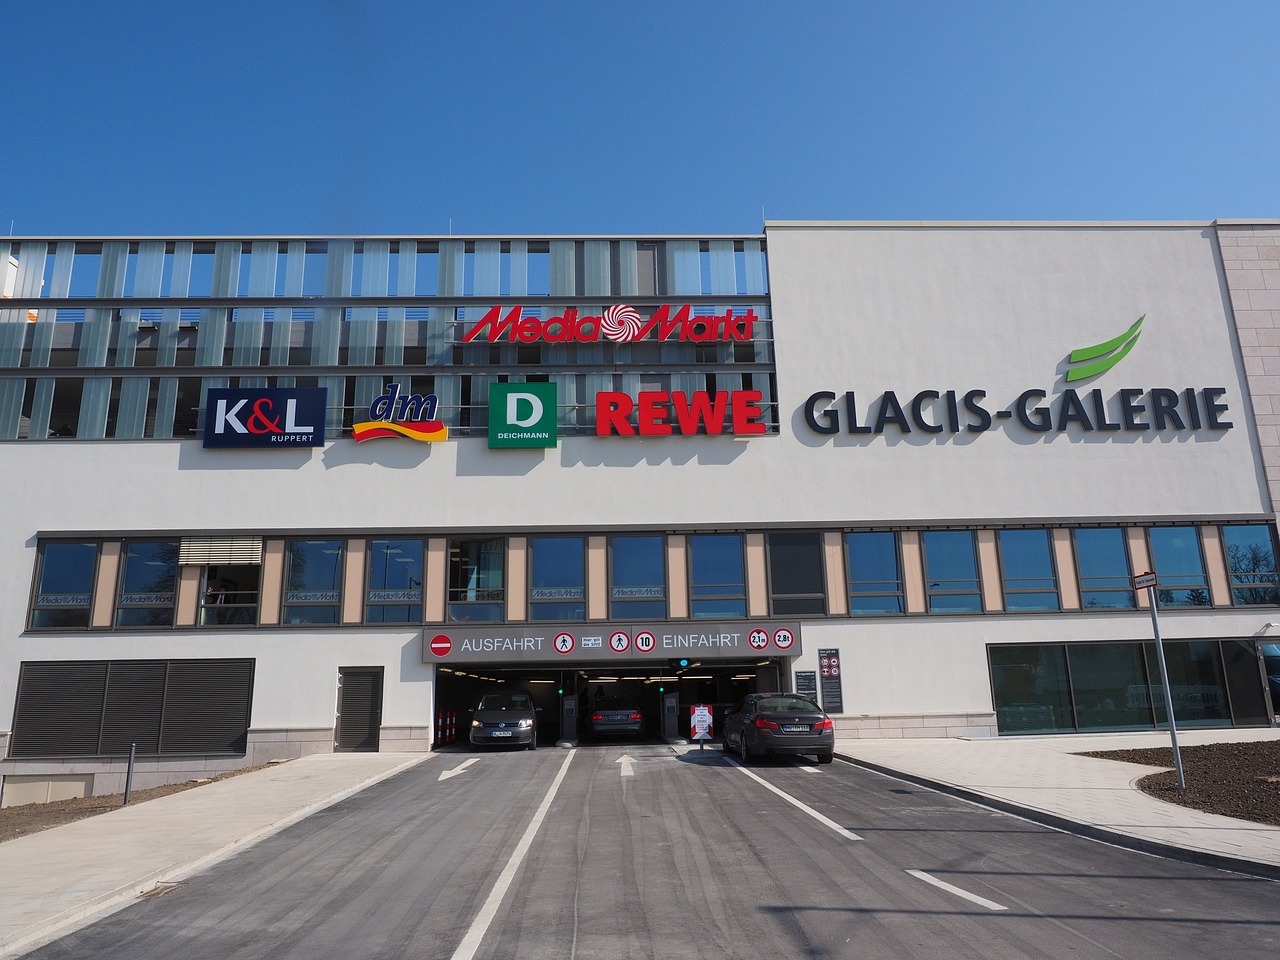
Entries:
{"x":574,"y":854}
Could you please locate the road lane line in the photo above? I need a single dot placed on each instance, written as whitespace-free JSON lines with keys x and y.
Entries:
{"x":480,"y":925}
{"x":943,"y":885}
{"x":825,"y":821}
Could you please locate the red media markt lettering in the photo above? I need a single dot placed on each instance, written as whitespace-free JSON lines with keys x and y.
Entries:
{"x":660,"y":414}
{"x":619,"y":323}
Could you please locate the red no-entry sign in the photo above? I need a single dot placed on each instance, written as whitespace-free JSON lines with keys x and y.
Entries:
{"x":441,"y":645}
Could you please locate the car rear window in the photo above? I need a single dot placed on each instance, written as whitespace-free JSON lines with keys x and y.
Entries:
{"x":617,"y":703}
{"x":788,"y":705}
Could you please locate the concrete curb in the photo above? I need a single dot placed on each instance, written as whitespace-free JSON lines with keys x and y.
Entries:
{"x":1091,"y":831}
{"x":62,"y":923}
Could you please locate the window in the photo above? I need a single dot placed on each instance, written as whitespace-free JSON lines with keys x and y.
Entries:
{"x":64,"y":585}
{"x":1030,"y":688}
{"x":148,"y":581}
{"x":796,"y":578}
{"x":230,"y":594}
{"x":1251,"y":558}
{"x":394,"y":582}
{"x":557,"y":578}
{"x":951,"y":572}
{"x":313,"y":590}
{"x":638,"y":578}
{"x":875,"y":573}
{"x":1103,"y":564}
{"x":717,"y":576}
{"x":1175,"y":553}
{"x":476,"y":580}
{"x":99,"y":708}
{"x":1026,"y":563}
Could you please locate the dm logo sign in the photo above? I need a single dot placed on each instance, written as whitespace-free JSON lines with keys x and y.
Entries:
{"x":395,"y":414}
{"x":522,"y":415}
{"x":280,"y":417}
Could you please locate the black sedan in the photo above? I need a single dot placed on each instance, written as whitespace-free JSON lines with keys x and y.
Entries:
{"x":615,"y":716}
{"x":779,"y":723}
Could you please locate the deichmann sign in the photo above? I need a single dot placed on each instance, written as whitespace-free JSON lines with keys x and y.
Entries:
{"x":410,"y":415}
{"x":522,"y":415}
{"x":283,"y":416}
{"x":1133,"y":409}
{"x":619,"y":323}
{"x":621,"y":643}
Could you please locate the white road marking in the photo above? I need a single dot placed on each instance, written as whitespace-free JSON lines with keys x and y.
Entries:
{"x":457,"y":770}
{"x":825,"y":821}
{"x":628,"y":768}
{"x":480,"y":925}
{"x":943,"y":885}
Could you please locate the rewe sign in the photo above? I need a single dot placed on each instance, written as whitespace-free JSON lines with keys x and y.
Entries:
{"x":619,"y":323}
{"x":660,"y":414}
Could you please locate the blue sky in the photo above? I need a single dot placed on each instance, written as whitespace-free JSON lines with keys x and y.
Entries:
{"x":545,"y":117}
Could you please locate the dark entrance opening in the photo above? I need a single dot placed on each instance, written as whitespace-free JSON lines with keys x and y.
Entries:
{"x":359,"y":708}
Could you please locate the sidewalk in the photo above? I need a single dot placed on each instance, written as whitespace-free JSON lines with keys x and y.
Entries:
{"x":53,"y":880}
{"x":1042,"y":779}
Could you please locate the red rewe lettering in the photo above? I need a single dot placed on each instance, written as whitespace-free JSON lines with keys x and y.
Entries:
{"x":748,"y":418}
{"x":612,"y":410}
{"x":653,"y":415}
{"x":700,"y":409}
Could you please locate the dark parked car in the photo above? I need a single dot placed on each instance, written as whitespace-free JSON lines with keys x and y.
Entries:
{"x":779,"y":723}
{"x":614,"y":716}
{"x":506,"y":717}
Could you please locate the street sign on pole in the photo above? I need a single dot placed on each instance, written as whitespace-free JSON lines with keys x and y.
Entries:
{"x":700,"y":723}
{"x":1149,"y":581}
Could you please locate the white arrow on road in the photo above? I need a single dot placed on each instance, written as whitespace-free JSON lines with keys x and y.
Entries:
{"x":627,"y":762}
{"x":457,"y":770}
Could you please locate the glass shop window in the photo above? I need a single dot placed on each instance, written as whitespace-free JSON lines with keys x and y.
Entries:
{"x":717,"y":576}
{"x":797,"y":582}
{"x":394,"y":582}
{"x":1251,"y":558}
{"x":1102,"y":561}
{"x":638,"y":578}
{"x":64,"y":585}
{"x":313,"y":587}
{"x":1026,"y":566}
{"x":230,"y":594}
{"x":875,"y":573}
{"x":557,"y":578}
{"x":148,"y":584}
{"x":951,"y":572}
{"x":1179,"y":564}
{"x":477,"y":578}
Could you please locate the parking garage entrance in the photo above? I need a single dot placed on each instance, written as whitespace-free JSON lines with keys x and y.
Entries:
{"x":674,"y":666}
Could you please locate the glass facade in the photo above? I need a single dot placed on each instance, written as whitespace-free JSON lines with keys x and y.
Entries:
{"x":1178,"y":562}
{"x":1026,"y":564}
{"x":313,"y":588}
{"x":875,"y":573}
{"x":638,"y":578}
{"x":394,"y":578}
{"x":1102,"y":562}
{"x":1251,"y":560}
{"x":557,"y":578}
{"x":717,"y":576}
{"x":64,"y":585}
{"x":476,"y":580}
{"x":951,"y":572}
{"x":797,"y":582}
{"x":148,"y":584}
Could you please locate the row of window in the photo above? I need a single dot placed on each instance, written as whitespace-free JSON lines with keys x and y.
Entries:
{"x":638,"y":579}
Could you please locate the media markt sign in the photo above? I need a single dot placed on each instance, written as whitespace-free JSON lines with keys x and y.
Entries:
{"x":522,"y":415}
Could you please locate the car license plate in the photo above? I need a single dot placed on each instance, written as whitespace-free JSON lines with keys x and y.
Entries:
{"x":795,"y":728}
{"x":502,"y":733}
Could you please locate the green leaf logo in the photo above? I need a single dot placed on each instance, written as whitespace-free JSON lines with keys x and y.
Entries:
{"x":1111,"y":353}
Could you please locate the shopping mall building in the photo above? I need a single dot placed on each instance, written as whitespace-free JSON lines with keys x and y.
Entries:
{"x":271,"y":496}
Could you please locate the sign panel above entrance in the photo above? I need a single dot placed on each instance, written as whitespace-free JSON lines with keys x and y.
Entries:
{"x":622,"y":643}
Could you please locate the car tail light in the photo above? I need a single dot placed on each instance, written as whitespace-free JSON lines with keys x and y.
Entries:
{"x":764,"y":724}
{"x":597,"y":716}
{"x":823,"y":724}
{"x":636,"y":716}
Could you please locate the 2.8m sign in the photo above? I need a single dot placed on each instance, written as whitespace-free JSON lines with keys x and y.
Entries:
{"x":279,"y":417}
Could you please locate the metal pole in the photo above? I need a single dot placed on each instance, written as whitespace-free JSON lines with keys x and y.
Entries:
{"x":128,"y":776}
{"x":1168,"y":694}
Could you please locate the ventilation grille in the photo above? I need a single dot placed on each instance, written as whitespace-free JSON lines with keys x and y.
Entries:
{"x":202,"y":550}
